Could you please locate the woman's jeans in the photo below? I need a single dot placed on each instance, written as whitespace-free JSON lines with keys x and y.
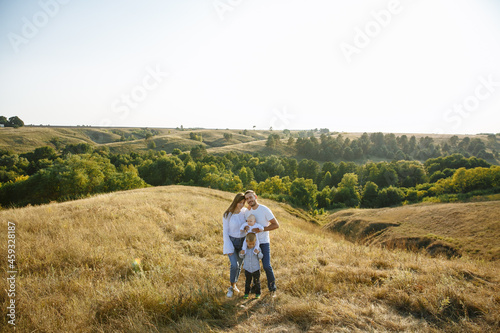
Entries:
{"x":235,"y":259}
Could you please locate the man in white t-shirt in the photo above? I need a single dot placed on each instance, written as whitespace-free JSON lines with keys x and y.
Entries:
{"x":265,"y":217}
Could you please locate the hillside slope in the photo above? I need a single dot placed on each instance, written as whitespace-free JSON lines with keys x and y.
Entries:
{"x":25,"y":139}
{"x":453,"y":229}
{"x":76,"y":273}
{"x":128,"y":139}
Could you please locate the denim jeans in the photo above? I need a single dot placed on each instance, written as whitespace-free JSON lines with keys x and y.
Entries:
{"x":235,"y":260}
{"x":266,"y":263}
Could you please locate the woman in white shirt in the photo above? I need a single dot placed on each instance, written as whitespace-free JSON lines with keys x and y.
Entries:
{"x":232,"y":220}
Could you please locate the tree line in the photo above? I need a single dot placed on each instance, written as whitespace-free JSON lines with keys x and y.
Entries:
{"x":11,"y":122}
{"x":79,"y":170}
{"x":388,"y":146}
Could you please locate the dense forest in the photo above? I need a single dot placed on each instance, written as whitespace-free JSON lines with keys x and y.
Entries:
{"x":388,"y":146}
{"x":451,"y":172}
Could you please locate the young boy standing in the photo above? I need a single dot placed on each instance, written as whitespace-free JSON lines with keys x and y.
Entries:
{"x":251,"y":265}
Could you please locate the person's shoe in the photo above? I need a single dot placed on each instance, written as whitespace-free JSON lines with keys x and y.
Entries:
{"x":273,"y":293}
{"x":235,"y":289}
{"x":245,"y":296}
{"x":257,"y":296}
{"x":229,"y":292}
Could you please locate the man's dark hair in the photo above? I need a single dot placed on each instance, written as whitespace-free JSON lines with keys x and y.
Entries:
{"x":249,"y":191}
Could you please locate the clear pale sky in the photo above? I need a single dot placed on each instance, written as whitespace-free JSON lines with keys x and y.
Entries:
{"x":413,"y":66}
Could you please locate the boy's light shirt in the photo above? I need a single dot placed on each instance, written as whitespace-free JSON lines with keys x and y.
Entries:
{"x":252,"y":260}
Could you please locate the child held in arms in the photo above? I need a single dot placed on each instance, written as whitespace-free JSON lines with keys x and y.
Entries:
{"x":251,"y":265}
{"x":249,"y":227}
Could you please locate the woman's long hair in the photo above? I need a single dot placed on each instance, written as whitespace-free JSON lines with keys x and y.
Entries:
{"x":238,"y":198}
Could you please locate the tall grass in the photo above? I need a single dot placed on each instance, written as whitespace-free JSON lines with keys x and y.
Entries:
{"x":78,"y":273}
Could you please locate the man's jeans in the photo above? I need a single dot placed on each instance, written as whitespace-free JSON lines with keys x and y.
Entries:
{"x":235,"y":259}
{"x":266,"y":263}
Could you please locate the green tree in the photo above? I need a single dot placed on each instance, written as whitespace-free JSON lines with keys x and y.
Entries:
{"x":347,"y":190}
{"x":324,"y":197}
{"x":190,"y":175}
{"x":69,"y":178}
{"x":387,"y":176}
{"x":227,"y":182}
{"x":275,"y":185}
{"x":273,"y":166}
{"x":273,"y":140}
{"x":41,"y":153}
{"x":369,"y":195}
{"x":56,"y":141}
{"x":390,"y":196}
{"x":198,"y":152}
{"x":78,"y":148}
{"x":15,"y":122}
{"x":246,"y":175}
{"x":303,"y":192}
{"x":326,"y":181}
{"x":308,"y":169}
{"x":195,"y":136}
{"x":166,"y":170}
{"x":291,"y":166}
{"x":151,"y":145}
{"x":207,"y":173}
{"x":437,"y":176}
{"x":126,"y":179}
{"x":409,"y":173}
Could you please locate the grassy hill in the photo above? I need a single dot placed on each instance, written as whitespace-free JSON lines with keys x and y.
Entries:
{"x":453,"y":229}
{"x":126,"y":140}
{"x":76,"y":273}
{"x":253,"y":147}
{"x":25,"y":139}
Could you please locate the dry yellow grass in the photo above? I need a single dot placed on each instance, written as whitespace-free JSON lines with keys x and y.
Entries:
{"x":471,"y":229}
{"x":27,"y":138}
{"x":76,"y":273}
{"x":255,"y":147}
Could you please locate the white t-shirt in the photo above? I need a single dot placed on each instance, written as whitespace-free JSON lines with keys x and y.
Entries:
{"x":262,"y":216}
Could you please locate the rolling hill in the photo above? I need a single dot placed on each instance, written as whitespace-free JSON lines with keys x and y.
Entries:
{"x":150,"y":260}
{"x":453,"y":229}
{"x":126,"y":140}
{"x":25,"y":139}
